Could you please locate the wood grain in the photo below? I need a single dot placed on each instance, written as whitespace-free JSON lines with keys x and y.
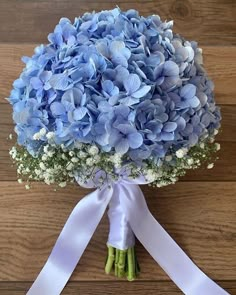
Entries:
{"x":209,"y":22}
{"x":199,"y":216}
{"x":111,"y":288}
{"x":219,"y":62}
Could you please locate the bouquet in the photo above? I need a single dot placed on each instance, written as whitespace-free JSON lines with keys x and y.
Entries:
{"x":113,"y":101}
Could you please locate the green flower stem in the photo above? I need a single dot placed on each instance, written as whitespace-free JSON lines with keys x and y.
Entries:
{"x":110,"y":260}
{"x":123,"y":263}
{"x":131,"y":265}
{"x":116,"y":261}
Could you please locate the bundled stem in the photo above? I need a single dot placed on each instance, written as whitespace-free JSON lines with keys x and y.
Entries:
{"x":123,"y":263}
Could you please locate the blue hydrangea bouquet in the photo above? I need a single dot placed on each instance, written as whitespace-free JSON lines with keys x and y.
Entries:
{"x":114,"y":100}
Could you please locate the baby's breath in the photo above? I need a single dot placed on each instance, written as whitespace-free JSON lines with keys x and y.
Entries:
{"x":58,"y":165}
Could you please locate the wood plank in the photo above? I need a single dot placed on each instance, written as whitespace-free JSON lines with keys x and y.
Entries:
{"x":199,"y":216}
{"x":111,"y":288}
{"x":200,"y":20}
{"x":218,"y":62}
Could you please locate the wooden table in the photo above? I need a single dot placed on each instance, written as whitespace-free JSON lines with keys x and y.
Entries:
{"x":199,"y":212}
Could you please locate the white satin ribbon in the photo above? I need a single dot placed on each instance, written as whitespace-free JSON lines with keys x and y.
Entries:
{"x":82,"y":223}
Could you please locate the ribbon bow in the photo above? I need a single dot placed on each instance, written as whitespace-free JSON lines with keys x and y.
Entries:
{"x":126,"y":199}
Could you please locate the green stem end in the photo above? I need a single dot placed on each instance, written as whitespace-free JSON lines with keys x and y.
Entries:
{"x":124,"y":263}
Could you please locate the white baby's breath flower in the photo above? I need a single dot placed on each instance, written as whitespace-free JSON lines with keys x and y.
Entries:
{"x":36,"y":136}
{"x":168,"y":158}
{"x":42,"y":166}
{"x":20,"y":180}
{"x":190,"y":161}
{"x":70,"y":166}
{"x":89,"y":161}
{"x":37,"y":172}
{"x":93,"y":150}
{"x":210,"y":166}
{"x":217,"y":145}
{"x":51,"y":153}
{"x":44,"y":157}
{"x":150,"y":175}
{"x":212,"y":139}
{"x":10,"y":136}
{"x":47,"y":181}
{"x":64,"y":157}
{"x":45,"y":149}
{"x":42,"y":132}
{"x":216,"y":131}
{"x":63,"y":184}
{"x":97,"y":158}
{"x":74,"y":160}
{"x":71,"y":153}
{"x":81,"y":154}
{"x":78,"y":145}
{"x":71,"y":174}
{"x":27,"y":186}
{"x":50,"y":135}
{"x":202,"y":145}
{"x":181,"y":153}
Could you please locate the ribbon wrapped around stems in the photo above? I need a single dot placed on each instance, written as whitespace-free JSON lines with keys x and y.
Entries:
{"x":127,"y":207}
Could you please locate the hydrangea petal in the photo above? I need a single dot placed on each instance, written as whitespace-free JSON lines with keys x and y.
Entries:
{"x":122,"y":146}
{"x":135,"y":140}
{"x":170,"y":68}
{"x":36,"y":83}
{"x":141,"y":92}
{"x":59,"y":81}
{"x":57,"y":108}
{"x":169,"y":126}
{"x":79,"y":113}
{"x":132,"y":83}
{"x":188,"y":91}
{"x":194,"y":102}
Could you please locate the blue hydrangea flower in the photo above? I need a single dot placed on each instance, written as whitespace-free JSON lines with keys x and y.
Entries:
{"x":119,"y":80}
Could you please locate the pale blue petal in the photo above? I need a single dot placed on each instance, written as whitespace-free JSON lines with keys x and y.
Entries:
{"x":166,"y":136}
{"x":135,"y":140}
{"x":126,"y":128}
{"x":194,"y":102}
{"x":57,"y":108}
{"x":114,"y":137}
{"x":119,"y":59}
{"x":129,"y":101}
{"x":59,"y":81}
{"x":122,"y":146}
{"x":36,"y":83}
{"x":19,"y":83}
{"x":188,"y":91}
{"x":45,"y":76}
{"x":170,"y":68}
{"x":132,"y":83}
{"x":79,"y":113}
{"x":142,"y":91}
{"x":181,"y":123}
{"x":169,"y":126}
{"x":116,"y":47}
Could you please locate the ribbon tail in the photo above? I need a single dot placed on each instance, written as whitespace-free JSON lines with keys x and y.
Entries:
{"x":71,"y":243}
{"x":179,"y":267}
